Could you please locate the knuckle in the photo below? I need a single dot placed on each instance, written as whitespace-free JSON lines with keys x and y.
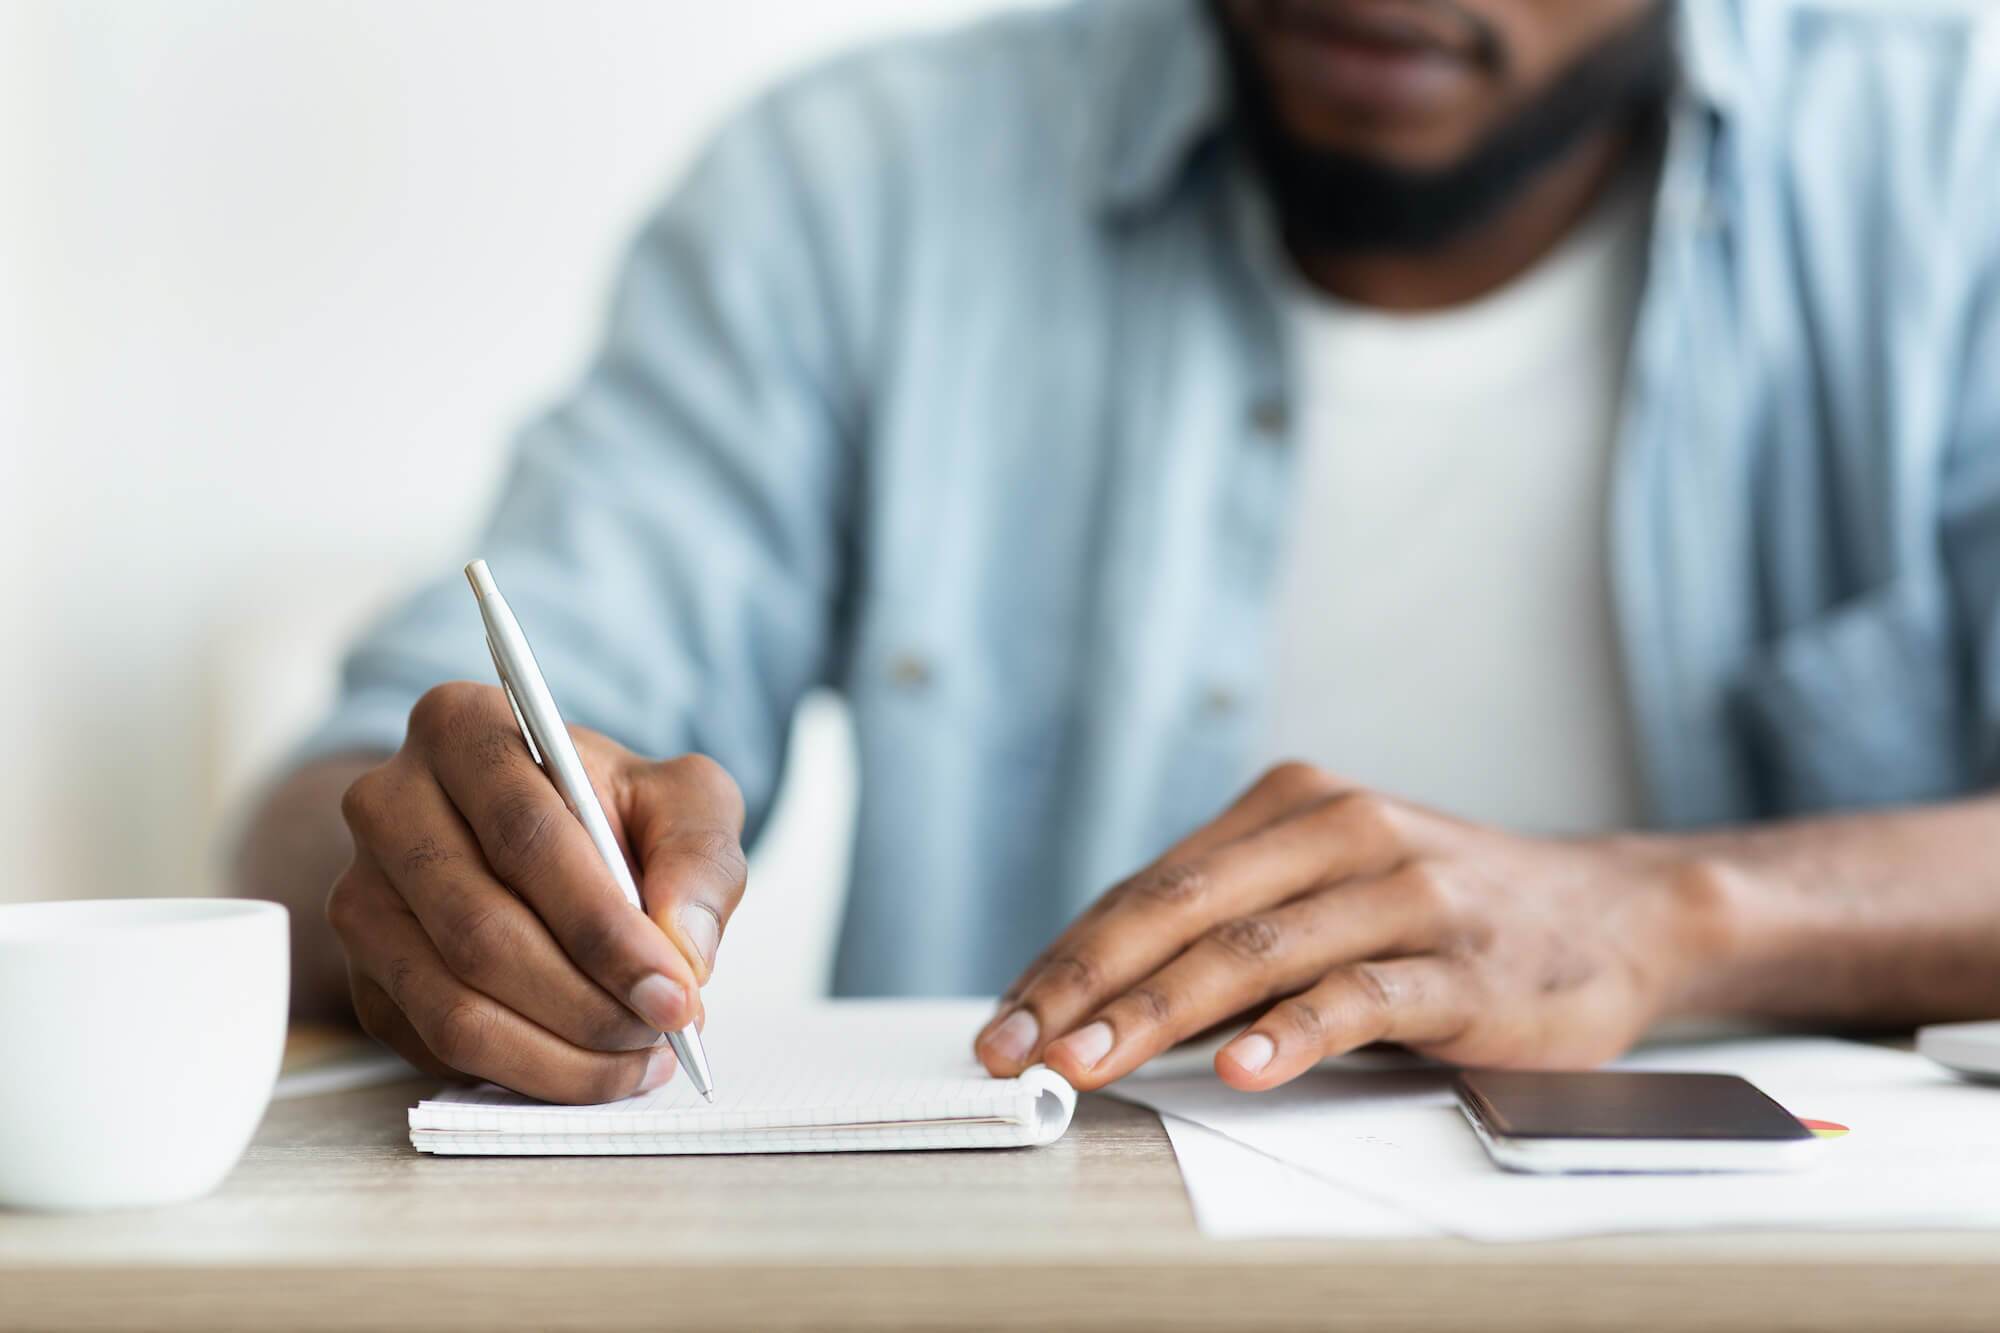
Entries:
{"x":370,"y":1014}
{"x":595,"y":941}
{"x":362,"y":802}
{"x":1427,"y":888}
{"x":1249,"y":939}
{"x":461,"y":1033}
{"x":494,"y":746}
{"x":1294,"y":778}
{"x":344,"y":906}
{"x":1364,"y":807}
{"x":1069,"y":971}
{"x":1305,"y":1019}
{"x":1465,"y":937}
{"x":701,"y":771}
{"x":1151,"y":1004}
{"x":1376,"y":992}
{"x":444,"y":710}
{"x":427,"y":852}
{"x":606,"y":1080}
{"x":398,"y":981}
{"x":478,"y":943}
{"x":1367,"y":813}
{"x":523,"y":827}
{"x":1177,"y":884}
{"x":608,"y":1027}
{"x":716,"y":849}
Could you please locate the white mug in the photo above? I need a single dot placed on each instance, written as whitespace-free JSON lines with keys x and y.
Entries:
{"x":139,"y":1042}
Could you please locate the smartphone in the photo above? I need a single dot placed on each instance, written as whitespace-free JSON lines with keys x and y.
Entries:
{"x":1619,"y":1121}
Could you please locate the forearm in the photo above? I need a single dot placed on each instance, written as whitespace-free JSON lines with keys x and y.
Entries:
{"x":1880,"y":918}
{"x":296,"y":845}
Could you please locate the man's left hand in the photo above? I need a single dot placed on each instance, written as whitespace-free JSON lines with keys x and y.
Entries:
{"x":1335,"y":916}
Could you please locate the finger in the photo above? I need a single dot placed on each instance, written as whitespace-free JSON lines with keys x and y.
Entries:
{"x":536,"y":847}
{"x":382,"y":1020}
{"x":1283,"y":790}
{"x":685,"y":821}
{"x":1411,"y":1000}
{"x":473,"y":1034}
{"x":1011,"y":1034}
{"x":1158,"y":914}
{"x":486,"y":935}
{"x":1244,"y":962}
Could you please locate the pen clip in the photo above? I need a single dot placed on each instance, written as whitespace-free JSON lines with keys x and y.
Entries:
{"x":520,"y":719}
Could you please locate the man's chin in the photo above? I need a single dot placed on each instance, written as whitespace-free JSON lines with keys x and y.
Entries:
{"x":1395,"y":139}
{"x":1331,"y":81}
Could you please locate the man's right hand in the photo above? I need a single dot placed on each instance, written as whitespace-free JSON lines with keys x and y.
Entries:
{"x":484,"y":936}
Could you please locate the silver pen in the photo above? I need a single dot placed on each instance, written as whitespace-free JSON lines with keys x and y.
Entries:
{"x":550,"y":746}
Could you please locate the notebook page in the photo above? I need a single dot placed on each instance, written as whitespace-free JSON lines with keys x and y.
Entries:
{"x":872,"y":1068}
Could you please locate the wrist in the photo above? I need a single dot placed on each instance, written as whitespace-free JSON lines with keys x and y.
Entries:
{"x":1710,"y":897}
{"x":1693,"y":925}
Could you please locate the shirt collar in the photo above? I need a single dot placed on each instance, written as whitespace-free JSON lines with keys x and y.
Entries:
{"x":1162,"y":94}
{"x":1711,"y":53}
{"x":1163,"y":90}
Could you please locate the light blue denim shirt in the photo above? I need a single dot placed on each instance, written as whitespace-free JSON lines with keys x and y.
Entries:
{"x":952,"y":377}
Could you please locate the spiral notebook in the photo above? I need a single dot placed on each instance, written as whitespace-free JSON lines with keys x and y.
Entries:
{"x":845,"y":1076}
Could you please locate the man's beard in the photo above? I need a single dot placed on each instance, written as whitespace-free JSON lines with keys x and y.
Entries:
{"x":1337,"y":202}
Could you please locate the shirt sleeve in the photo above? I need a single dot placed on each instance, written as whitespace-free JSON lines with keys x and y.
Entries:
{"x":670,"y":535}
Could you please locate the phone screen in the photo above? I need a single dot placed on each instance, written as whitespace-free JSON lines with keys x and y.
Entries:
{"x":1617,"y":1104}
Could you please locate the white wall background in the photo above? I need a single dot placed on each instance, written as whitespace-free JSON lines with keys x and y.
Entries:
{"x":15,"y":820}
{"x":277,"y":282}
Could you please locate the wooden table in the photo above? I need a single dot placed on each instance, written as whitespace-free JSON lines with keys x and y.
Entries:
{"x":332,"y":1221}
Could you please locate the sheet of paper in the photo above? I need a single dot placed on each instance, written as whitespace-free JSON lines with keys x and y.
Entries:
{"x":1923,"y":1149}
{"x":1239,"y":1193}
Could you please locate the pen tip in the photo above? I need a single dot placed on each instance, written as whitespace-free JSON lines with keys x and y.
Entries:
{"x":708,"y":1095}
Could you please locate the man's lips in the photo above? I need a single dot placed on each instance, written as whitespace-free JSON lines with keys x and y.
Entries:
{"x":1378,"y":57}
{"x":1385,"y":27}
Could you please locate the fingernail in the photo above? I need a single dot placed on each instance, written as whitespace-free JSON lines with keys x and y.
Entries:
{"x":659,"y":1067}
{"x":1086,"y":1046}
{"x":704,"y":932}
{"x":662,"y":1002}
{"x":1013,"y":1039}
{"x":1253,"y":1052}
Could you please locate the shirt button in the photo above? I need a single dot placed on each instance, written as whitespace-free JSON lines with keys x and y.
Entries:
{"x":907,"y":671}
{"x":1269,"y":416}
{"x":1220,"y":701}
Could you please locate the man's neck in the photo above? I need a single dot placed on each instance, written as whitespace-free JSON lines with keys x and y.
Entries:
{"x":1485,"y":258}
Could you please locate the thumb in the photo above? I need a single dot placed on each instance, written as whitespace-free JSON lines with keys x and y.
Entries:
{"x":684,"y":821}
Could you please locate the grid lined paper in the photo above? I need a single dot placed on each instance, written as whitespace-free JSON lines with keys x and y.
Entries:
{"x":840,"y":1076}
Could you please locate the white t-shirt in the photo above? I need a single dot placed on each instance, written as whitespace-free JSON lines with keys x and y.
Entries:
{"x":1444,"y":623}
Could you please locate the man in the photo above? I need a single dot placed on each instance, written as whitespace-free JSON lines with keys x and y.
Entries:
{"x":1113,"y":401}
